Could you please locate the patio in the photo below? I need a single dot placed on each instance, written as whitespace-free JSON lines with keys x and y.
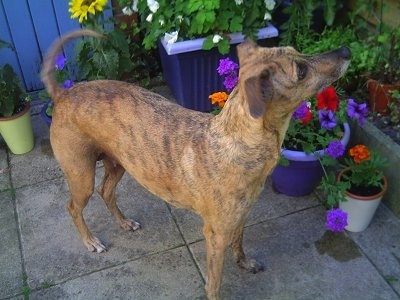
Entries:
{"x":42,"y":257}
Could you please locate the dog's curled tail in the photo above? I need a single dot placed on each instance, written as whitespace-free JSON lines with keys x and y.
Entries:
{"x":48,"y":68}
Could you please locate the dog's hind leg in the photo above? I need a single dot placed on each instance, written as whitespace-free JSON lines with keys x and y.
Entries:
{"x":250,"y":265}
{"x":113,"y":172}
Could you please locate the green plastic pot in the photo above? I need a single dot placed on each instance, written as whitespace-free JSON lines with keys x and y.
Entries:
{"x":17,"y":131}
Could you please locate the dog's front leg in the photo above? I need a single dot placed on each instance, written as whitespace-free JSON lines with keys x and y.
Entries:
{"x":250,"y":265}
{"x":216,"y":244}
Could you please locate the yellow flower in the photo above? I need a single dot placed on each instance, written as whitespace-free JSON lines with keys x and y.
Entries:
{"x":81,"y":8}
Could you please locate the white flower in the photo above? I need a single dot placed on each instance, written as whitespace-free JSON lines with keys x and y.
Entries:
{"x":269,"y":4}
{"x":238,"y":2}
{"x":216,"y":38}
{"x":267,"y":16}
{"x":134,"y":5}
{"x":162,"y":22}
{"x":171,"y":38}
{"x":127,"y":11}
{"x":308,"y":103}
{"x":153,"y":5}
{"x":180,"y":18}
{"x":149,"y":18}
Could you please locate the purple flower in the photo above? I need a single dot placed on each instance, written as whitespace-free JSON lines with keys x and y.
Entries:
{"x":357,"y":111}
{"x":227,"y":66}
{"x":67,"y":84}
{"x":60,"y":61}
{"x":301,"y":111}
{"x":335,"y":149}
{"x":230,"y":81}
{"x":336,"y":220}
{"x":327,"y":119}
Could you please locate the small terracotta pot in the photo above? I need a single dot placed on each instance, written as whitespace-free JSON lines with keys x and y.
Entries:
{"x":379,"y":96}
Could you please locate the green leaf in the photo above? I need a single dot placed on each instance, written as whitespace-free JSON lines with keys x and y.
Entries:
{"x":208,"y":43}
{"x":223,"y":46}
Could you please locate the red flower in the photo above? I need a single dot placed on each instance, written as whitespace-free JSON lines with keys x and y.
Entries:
{"x":328,"y":99}
{"x":307,"y":118}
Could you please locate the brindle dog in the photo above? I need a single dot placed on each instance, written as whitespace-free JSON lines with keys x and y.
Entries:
{"x":215,"y":166}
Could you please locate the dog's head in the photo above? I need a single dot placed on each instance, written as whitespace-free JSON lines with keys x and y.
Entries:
{"x":282,"y":77}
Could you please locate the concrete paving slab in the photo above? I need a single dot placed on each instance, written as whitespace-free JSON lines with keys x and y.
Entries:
{"x":166,"y":275}
{"x":296,"y":267}
{"x":11,"y":270}
{"x":39,"y":164}
{"x":53,"y":251}
{"x":381,"y":243}
{"x":4,"y":170}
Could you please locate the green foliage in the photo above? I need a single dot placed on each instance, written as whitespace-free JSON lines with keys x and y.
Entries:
{"x":103,"y":59}
{"x":12,"y":95}
{"x":197,"y":18}
{"x":107,"y":58}
{"x":300,"y":19}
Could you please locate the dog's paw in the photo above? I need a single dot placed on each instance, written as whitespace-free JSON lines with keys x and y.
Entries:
{"x":129,"y":225}
{"x":93,"y":244}
{"x":251,"y":265}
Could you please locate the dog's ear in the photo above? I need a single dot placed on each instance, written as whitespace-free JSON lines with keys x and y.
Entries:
{"x":258,"y":90}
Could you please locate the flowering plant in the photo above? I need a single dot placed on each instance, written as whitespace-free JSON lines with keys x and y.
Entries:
{"x":227,"y":69}
{"x":361,"y":174}
{"x":189,"y":19}
{"x":62,"y":78}
{"x":318,"y":123}
{"x":99,"y":59}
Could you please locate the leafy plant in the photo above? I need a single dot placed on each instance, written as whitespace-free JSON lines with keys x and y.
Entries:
{"x":12,"y":95}
{"x":300,"y":19}
{"x":188,"y":19}
{"x":99,"y":59}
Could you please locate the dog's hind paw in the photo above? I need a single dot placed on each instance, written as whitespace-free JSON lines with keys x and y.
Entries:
{"x":93,"y":244}
{"x":251,"y":265}
{"x":129,"y":225}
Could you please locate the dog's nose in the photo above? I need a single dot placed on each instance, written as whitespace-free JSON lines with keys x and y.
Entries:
{"x":345,"y":53}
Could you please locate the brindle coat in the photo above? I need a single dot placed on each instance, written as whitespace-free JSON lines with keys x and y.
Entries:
{"x":215,"y":166}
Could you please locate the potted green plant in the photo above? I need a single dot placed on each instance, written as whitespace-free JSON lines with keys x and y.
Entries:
{"x":357,"y":190}
{"x":193,"y":35}
{"x":15,"y":118}
{"x":382,"y":54}
{"x":385,"y":76}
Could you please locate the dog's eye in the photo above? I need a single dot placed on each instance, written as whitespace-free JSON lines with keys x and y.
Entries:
{"x":301,"y":71}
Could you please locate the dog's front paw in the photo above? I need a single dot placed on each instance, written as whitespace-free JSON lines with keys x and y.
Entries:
{"x":129,"y":225}
{"x":93,"y":244}
{"x":251,"y":265}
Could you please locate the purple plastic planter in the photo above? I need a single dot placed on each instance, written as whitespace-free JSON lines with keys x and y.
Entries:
{"x":191,"y":73}
{"x":304,"y":172}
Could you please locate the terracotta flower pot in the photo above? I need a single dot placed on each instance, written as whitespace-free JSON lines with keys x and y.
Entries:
{"x":360,"y":209}
{"x":379,"y":96}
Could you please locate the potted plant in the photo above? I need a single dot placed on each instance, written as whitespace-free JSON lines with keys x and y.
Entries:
{"x":318,"y":127}
{"x":385,"y":77}
{"x":193,"y":35}
{"x":15,"y":118}
{"x":382,"y":56}
{"x":357,"y":190}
